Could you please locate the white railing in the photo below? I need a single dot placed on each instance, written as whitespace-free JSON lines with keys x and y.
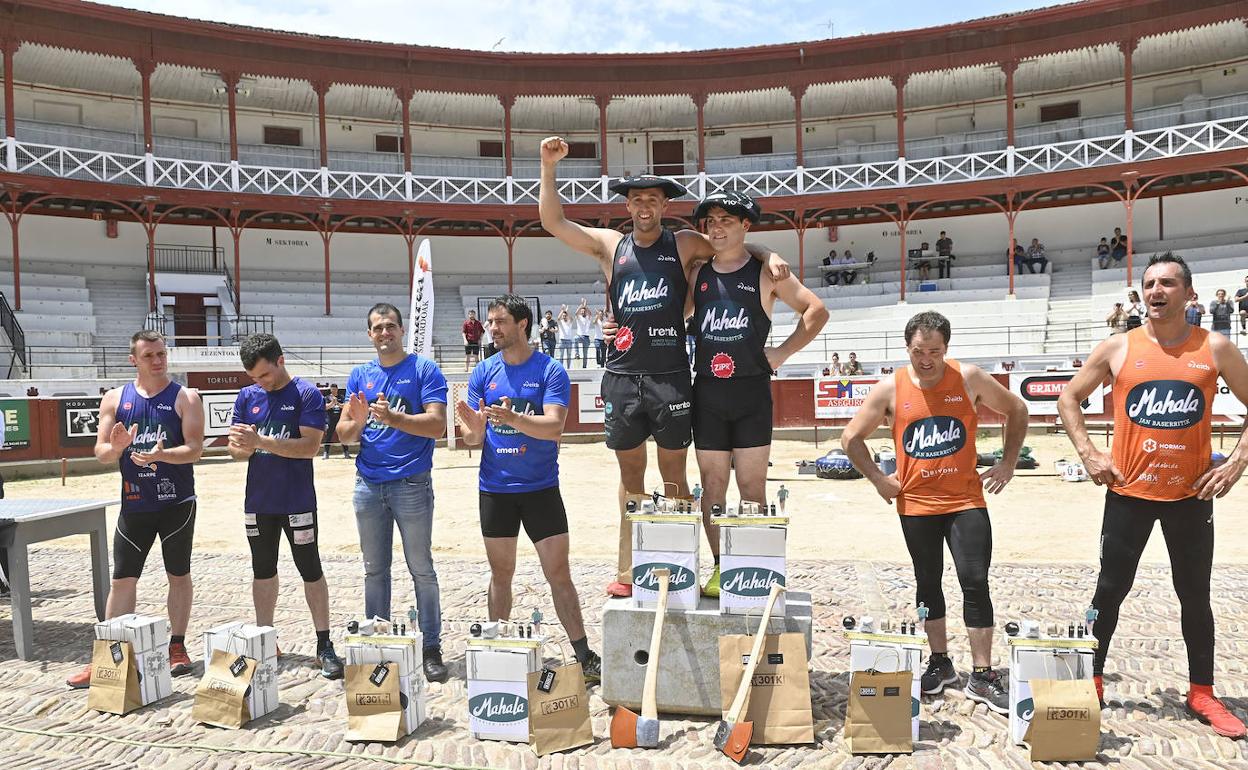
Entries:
{"x":148,"y":170}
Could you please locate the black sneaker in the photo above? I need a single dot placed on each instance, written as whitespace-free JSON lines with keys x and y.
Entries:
{"x":331,"y":664}
{"x":939,"y":673}
{"x":988,"y":690}
{"x":591,"y":667}
{"x":435,"y":669}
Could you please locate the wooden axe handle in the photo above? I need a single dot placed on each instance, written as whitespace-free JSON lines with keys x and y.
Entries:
{"x":650,"y":690}
{"x":738,"y":703}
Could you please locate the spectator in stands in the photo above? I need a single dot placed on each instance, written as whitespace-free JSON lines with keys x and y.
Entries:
{"x":548,"y":332}
{"x":829,"y":277}
{"x":924,"y":264}
{"x":1194,"y":311}
{"x":1016,"y":253}
{"x":1241,"y":297}
{"x":1102,"y":253}
{"x":1035,"y":254}
{"x":848,"y":276}
{"x":595,"y":333}
{"x":835,"y":365}
{"x":32,"y":392}
{"x":827,"y":371}
{"x":1118,"y":246}
{"x":1135,"y":310}
{"x":852,"y":367}
{"x":1221,"y":310}
{"x":473,"y":331}
{"x":1117,"y":319}
{"x":566,"y":334}
{"x":584,"y":329}
{"x":333,"y":413}
{"x":944,"y":250}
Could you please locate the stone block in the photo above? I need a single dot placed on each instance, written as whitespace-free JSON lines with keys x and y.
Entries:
{"x":689,"y":653}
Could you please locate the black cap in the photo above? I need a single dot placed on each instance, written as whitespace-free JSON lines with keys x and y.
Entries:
{"x":735,"y":203}
{"x":670,"y":188}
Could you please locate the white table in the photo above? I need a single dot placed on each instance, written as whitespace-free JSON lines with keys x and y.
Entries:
{"x":35,"y":521}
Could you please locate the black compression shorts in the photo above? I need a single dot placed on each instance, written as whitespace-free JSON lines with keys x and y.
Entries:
{"x":264,"y":533}
{"x":733,"y":413}
{"x":637,"y":406}
{"x":541,"y":512}
{"x":137,"y":531}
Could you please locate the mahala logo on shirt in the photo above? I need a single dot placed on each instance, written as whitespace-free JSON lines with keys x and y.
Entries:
{"x":934,"y":437}
{"x":1165,"y":404}
{"x":642,"y":293}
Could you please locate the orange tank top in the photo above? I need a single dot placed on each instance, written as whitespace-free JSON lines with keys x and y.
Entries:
{"x":934,"y":436}
{"x":1163,"y":400}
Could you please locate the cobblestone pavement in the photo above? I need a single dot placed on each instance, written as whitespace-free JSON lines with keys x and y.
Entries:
{"x":1145,"y":725}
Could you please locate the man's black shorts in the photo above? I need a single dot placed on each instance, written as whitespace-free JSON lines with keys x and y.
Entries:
{"x":541,"y":512}
{"x":637,"y":406}
{"x":472,"y":349}
{"x":732,"y":413}
{"x":136,"y":533}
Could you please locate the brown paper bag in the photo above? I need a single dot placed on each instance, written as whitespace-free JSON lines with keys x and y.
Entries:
{"x":779,"y":699}
{"x":221,"y":697}
{"x":877,"y":720}
{"x":114,"y":678}
{"x":1066,"y":723}
{"x":374,"y":704}
{"x":558,"y":709}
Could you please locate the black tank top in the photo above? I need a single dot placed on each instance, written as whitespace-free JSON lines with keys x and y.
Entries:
{"x":647,"y":294}
{"x":732,"y":326}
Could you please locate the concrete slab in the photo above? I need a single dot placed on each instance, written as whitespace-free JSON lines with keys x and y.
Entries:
{"x":689,"y":655}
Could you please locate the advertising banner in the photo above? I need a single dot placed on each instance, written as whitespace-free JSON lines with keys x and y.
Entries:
{"x":841,"y":396}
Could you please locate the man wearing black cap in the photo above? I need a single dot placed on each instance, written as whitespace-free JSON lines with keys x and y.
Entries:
{"x":732,"y":299}
{"x":646,"y":389}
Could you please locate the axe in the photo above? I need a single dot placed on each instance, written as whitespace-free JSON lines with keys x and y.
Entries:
{"x":732,"y":736}
{"x":628,"y":730}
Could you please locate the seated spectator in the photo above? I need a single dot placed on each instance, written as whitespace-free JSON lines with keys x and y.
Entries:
{"x":1194,"y":311}
{"x":1118,"y":246}
{"x":835,"y":366}
{"x":1016,"y":253}
{"x":846,"y":277}
{"x":1117,"y":319}
{"x":1221,"y":310}
{"x":852,"y":367}
{"x":829,"y":276}
{"x":924,"y":264}
{"x":1135,"y":310}
{"x":886,"y":370}
{"x":1241,"y":298}
{"x":32,"y":392}
{"x":1035,"y":255}
{"x":827,"y":372}
{"x":1102,"y":253}
{"x":944,"y":250}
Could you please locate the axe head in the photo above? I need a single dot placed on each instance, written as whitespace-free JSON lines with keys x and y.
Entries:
{"x":734,"y":739}
{"x":624,"y":729}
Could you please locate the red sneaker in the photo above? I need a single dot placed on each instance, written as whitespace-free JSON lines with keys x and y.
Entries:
{"x":179,"y":661}
{"x":1208,"y":709}
{"x":81,"y":680}
{"x":619,"y":589}
{"x":1099,"y":681}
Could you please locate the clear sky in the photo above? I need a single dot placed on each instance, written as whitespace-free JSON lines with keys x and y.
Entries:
{"x":601,"y":26}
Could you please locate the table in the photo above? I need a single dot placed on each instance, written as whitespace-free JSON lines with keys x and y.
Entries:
{"x":854,"y":267}
{"x":33,"y":521}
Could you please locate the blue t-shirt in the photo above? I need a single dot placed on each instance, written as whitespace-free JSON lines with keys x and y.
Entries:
{"x":510,"y":460}
{"x":275,"y":484}
{"x":387,"y":454}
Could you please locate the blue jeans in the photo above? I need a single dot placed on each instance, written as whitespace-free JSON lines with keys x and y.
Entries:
{"x":565,"y":353}
{"x":583,"y":342}
{"x":409,"y":504}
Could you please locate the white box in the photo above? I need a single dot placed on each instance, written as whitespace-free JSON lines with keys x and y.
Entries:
{"x":143,"y":632}
{"x":256,"y":642}
{"x":670,"y":540}
{"x":155,"y":681}
{"x":412,"y":698}
{"x":1049,"y":658}
{"x":498,"y":686}
{"x":262,"y":694}
{"x":888,"y":653}
{"x":751,"y":558}
{"x":402,"y":650}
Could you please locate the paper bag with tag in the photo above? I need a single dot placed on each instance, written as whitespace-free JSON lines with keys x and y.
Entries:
{"x":374,"y":703}
{"x":221,"y":697}
{"x":558,"y":709}
{"x":779,"y":699}
{"x":1066,"y":723}
{"x":114,"y":678}
{"x":877,"y":720}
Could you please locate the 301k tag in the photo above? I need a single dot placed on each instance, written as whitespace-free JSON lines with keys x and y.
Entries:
{"x":379,"y":674}
{"x":546,"y":681}
{"x":118,"y":655}
{"x":238,"y":666}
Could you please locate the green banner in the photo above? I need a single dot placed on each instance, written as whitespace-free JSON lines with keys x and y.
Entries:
{"x":15,"y":421}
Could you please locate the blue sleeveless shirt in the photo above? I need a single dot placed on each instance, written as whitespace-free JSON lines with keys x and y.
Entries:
{"x":144,"y":489}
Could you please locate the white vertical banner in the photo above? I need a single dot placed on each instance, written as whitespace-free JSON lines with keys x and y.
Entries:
{"x":420,"y":314}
